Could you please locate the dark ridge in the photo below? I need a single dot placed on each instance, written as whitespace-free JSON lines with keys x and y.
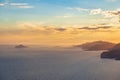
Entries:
{"x":95,"y":46}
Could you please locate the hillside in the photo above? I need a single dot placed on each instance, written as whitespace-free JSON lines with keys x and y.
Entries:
{"x":97,"y":45}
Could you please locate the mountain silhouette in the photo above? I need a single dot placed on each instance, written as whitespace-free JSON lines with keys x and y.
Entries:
{"x":96,"y":45}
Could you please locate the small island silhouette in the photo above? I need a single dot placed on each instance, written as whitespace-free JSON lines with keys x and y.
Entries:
{"x":20,"y":46}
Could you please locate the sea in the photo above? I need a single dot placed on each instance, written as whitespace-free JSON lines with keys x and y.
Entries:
{"x":46,"y":63}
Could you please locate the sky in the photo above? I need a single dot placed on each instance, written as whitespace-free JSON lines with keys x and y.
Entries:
{"x":59,"y":22}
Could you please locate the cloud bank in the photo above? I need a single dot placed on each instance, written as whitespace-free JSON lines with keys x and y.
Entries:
{"x":52,"y":35}
{"x":98,"y":11}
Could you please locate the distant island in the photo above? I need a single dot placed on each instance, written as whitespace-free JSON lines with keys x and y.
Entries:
{"x":20,"y":46}
{"x":113,"y":53}
{"x":95,"y":46}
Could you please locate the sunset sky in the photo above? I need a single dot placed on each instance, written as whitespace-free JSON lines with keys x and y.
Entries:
{"x":59,"y":22}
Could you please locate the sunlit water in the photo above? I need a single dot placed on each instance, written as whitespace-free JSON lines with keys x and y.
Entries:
{"x":35,"y":63}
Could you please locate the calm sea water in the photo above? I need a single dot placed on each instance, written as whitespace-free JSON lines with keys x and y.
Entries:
{"x":36,"y":63}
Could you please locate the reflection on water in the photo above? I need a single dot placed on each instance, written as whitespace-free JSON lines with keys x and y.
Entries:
{"x":37,"y":63}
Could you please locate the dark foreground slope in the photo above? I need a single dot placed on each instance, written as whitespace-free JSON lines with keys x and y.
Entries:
{"x":113,"y":53}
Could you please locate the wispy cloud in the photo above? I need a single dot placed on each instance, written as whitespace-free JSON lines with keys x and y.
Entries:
{"x":21,"y":5}
{"x":96,"y":28}
{"x":17,"y":5}
{"x":30,"y":24}
{"x":113,"y":14}
{"x":117,"y":12}
{"x":60,"y":29}
{"x":95,"y":11}
{"x":2,"y":4}
{"x":65,"y":16}
{"x":111,"y":0}
{"x":25,"y":7}
{"x":108,"y":13}
{"x":77,"y":9}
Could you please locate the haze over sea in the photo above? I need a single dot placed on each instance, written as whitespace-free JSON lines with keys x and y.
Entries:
{"x":38,"y":63}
